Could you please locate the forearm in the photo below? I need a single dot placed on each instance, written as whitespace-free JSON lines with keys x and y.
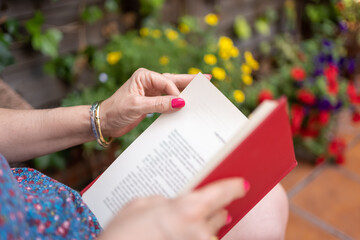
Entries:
{"x":26,"y":134}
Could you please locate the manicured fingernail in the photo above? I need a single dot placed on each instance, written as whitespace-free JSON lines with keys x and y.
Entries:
{"x":177,"y":103}
{"x":209,"y":76}
{"x":229,"y":219}
{"x":246,"y":185}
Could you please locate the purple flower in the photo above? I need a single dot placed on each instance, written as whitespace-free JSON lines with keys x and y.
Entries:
{"x":329,"y":58}
{"x":343,"y":26}
{"x":327,"y":43}
{"x":321,"y":58}
{"x":338,"y":105}
{"x":318,"y":72}
{"x":351,"y":66}
{"x":341,"y":62}
{"x":323,"y":104}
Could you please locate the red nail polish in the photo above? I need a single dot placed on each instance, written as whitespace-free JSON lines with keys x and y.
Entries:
{"x":209,"y":76}
{"x":229,"y":219}
{"x":246,"y":185}
{"x":177,"y":103}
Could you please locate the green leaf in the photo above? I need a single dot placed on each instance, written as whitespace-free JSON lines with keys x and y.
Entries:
{"x":48,"y":42}
{"x":262,"y":26}
{"x":111,"y":5}
{"x":5,"y":39}
{"x":33,"y":26}
{"x":12,"y":26}
{"x":91,"y":14}
{"x":242,"y":28}
{"x":6,"y":57}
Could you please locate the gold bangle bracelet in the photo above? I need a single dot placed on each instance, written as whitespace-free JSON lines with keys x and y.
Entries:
{"x":100,"y":138}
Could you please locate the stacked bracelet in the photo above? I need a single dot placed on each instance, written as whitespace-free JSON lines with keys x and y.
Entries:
{"x":96,"y":127}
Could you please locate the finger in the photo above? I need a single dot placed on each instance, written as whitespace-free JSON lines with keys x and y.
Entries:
{"x":182,"y":80}
{"x":156,"y":81}
{"x":220,"y":194}
{"x":218,"y":220}
{"x":161,"y":104}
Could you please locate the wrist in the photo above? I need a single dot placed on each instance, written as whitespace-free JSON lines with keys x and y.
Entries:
{"x":96,"y":125}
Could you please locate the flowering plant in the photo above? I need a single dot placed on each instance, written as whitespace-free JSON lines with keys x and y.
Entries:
{"x":191,"y":47}
{"x":315,"y":75}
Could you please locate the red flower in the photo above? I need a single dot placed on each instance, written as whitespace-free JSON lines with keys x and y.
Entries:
{"x":324,"y":117}
{"x":353,"y":96}
{"x":309,"y":132}
{"x":298,"y":74}
{"x":265,"y":95}
{"x":331,"y":73}
{"x":306,"y":97}
{"x":356,"y":117}
{"x":337,"y":147}
{"x":340,"y":159}
{"x":312,"y":128}
{"x":333,"y":87}
{"x":319,"y":160}
{"x":297,"y":116}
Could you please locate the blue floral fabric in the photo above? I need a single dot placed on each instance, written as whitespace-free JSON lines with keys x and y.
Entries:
{"x":34,"y":206}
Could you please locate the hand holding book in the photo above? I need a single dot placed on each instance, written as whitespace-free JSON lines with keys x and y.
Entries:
{"x":207,"y":141}
{"x":145,"y":92}
{"x":197,"y":215}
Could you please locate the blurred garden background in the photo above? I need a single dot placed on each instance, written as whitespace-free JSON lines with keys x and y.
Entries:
{"x":70,"y":52}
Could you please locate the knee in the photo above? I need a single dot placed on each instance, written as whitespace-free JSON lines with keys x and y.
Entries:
{"x":267,"y":220}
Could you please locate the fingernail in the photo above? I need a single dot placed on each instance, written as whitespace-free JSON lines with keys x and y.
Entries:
{"x":177,"y":103}
{"x":246,"y":185}
{"x":229,"y":219}
{"x":209,"y":76}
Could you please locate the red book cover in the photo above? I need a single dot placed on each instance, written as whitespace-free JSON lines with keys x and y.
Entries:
{"x":263,"y":158}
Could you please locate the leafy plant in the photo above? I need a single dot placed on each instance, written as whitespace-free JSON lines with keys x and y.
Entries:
{"x":93,"y":13}
{"x":8,"y":32}
{"x":47,"y":42}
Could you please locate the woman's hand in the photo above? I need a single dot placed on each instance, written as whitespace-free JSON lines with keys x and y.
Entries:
{"x":140,"y":95}
{"x":194,"y":216}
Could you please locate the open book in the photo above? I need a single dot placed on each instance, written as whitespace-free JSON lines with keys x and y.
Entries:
{"x":207,"y":140}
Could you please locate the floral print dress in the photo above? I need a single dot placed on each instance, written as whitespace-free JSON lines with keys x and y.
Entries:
{"x":34,"y":206}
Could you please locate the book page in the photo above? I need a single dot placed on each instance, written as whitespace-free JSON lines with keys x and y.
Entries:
{"x":170,"y":153}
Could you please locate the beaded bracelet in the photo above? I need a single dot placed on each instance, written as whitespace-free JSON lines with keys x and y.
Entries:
{"x":96,"y":127}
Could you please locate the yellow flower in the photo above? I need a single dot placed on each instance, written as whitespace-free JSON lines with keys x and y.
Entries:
{"x":113,"y":57}
{"x":247,"y":79}
{"x":251,"y":61}
{"x":246,"y":69}
{"x":224,"y":54}
{"x":156,"y":33}
{"x":194,"y":70}
{"x":255,"y":65}
{"x":218,"y":73}
{"x":239,"y":96}
{"x":234,"y":52}
{"x":225,"y":43}
{"x":248,"y":56}
{"x":164,"y":60}
{"x":184,"y":28}
{"x":144,"y":32}
{"x":210,"y":59}
{"x":211,"y":19}
{"x":171,"y":34}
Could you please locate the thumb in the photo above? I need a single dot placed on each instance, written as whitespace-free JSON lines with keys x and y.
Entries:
{"x":162,"y":104}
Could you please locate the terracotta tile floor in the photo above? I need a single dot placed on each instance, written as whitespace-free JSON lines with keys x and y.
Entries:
{"x":325,"y":199}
